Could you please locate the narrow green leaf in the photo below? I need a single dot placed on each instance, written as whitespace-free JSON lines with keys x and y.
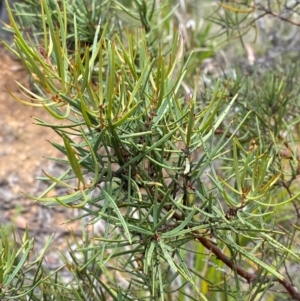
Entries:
{"x":20,"y":264}
{"x":175,"y":231}
{"x":73,"y":160}
{"x":119,"y":214}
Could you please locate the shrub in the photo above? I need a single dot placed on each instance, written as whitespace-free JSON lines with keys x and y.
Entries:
{"x":187,"y":189}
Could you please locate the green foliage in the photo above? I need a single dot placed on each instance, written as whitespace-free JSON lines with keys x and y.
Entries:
{"x":15,"y":262}
{"x":187,"y":188}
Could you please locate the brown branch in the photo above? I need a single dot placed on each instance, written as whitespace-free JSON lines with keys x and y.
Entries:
{"x":278,"y":16}
{"x":268,"y":11}
{"x":250,"y":277}
{"x":293,"y":291}
{"x":221,"y":256}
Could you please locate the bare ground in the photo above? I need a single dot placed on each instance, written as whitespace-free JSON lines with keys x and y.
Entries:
{"x":23,"y":146}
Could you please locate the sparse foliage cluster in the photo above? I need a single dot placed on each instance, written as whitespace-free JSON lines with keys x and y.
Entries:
{"x":188,"y":178}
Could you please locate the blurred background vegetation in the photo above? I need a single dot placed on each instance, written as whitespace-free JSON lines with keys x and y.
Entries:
{"x":232,"y":50}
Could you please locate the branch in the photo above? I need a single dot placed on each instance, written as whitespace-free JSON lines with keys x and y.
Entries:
{"x":265,"y":10}
{"x":249,"y":277}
